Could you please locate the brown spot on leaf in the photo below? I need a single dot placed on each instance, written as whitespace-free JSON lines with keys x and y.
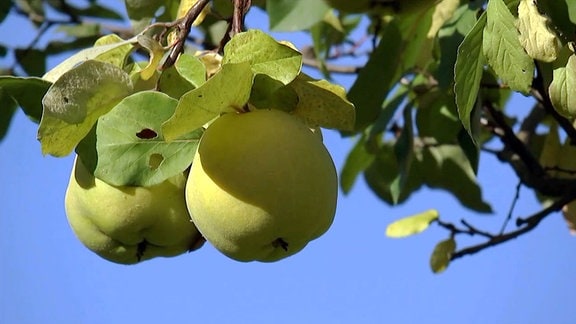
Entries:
{"x":147,"y":133}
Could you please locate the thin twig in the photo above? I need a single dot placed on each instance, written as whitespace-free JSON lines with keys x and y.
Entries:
{"x":183,"y":27}
{"x":528,"y":225}
{"x":514,"y":201}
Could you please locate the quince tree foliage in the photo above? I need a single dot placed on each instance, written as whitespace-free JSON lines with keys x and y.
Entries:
{"x":429,"y":98}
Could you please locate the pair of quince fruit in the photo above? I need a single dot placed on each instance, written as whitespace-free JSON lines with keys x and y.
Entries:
{"x":261,"y":186}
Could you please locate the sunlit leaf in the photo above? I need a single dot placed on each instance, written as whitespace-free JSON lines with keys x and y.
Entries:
{"x":227,"y":91}
{"x":265,"y":55}
{"x":563,"y":89}
{"x":130,"y":144}
{"x":503,"y":50}
{"x":155,"y":50}
{"x":412,"y":225}
{"x":76,"y":100}
{"x":323,"y":104}
{"x":539,"y":41}
{"x":290,"y":15}
{"x":191,"y":69}
{"x":442,"y":13}
{"x":440,"y":258}
{"x":111,"y":53}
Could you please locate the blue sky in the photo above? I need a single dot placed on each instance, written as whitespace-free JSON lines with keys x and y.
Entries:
{"x":352,"y":274}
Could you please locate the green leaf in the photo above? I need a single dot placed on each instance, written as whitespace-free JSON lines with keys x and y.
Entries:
{"x":447,"y":167}
{"x":268,"y":93}
{"x":382,"y":172}
{"x":131,"y":147}
{"x":76,"y":100}
{"x":561,"y":12}
{"x":358,"y":159}
{"x":265,"y":55}
{"x":5,"y":7}
{"x":412,"y":225}
{"x":404,"y":152}
{"x":321,"y":103}
{"x":34,"y":9}
{"x":468,"y":73}
{"x":113,"y":50}
{"x":33,"y":61}
{"x":141,"y":12}
{"x":436,"y":116}
{"x":503,"y":50}
{"x":376,"y":78}
{"x":388,"y":111}
{"x":173,"y":84}
{"x":84,"y":29}
{"x":290,"y":15}
{"x":27,"y":92}
{"x":191,"y":69}
{"x":226,"y":91}
{"x":563,"y":89}
{"x":440,"y":258}
{"x":7,"y":109}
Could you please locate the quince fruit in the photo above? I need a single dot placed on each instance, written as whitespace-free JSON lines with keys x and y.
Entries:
{"x":126,"y":224}
{"x":261,"y":186}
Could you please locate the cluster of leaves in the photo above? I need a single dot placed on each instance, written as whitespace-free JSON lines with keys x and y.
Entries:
{"x":431,"y":96}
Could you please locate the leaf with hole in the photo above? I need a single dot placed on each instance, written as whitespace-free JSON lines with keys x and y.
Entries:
{"x":131,"y":147}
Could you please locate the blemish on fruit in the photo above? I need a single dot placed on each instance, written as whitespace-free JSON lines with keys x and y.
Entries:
{"x":155,"y":160}
{"x":147,"y":133}
{"x":140,"y":249}
{"x":279,"y":242}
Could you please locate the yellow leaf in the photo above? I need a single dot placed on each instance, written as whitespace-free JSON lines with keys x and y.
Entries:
{"x":539,"y":41}
{"x":412,"y":224}
{"x":442,"y":13}
{"x":156,"y":52}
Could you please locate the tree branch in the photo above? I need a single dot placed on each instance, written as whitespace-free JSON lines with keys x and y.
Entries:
{"x":529,"y":224}
{"x":183,"y":27}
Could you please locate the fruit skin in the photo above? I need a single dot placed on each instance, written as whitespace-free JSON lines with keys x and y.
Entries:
{"x":129,"y":224}
{"x":261,"y":186}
